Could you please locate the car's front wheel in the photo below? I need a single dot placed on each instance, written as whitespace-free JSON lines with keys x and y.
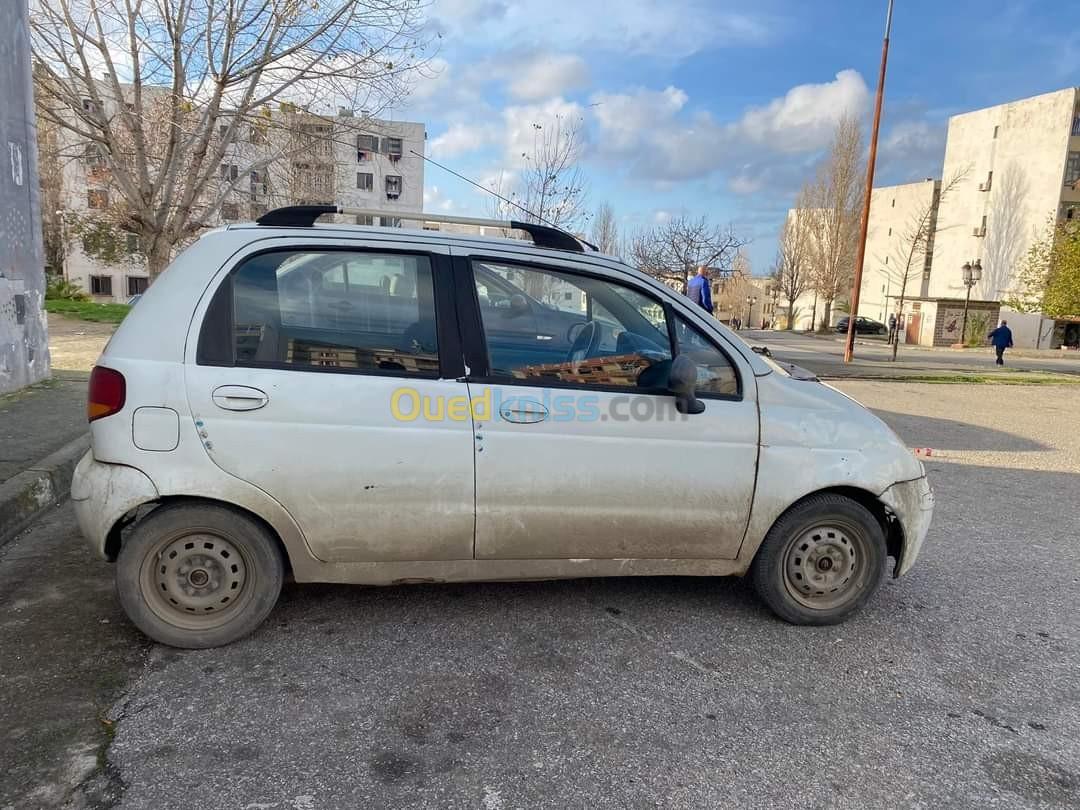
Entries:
{"x":198,"y":575}
{"x":820,"y":561}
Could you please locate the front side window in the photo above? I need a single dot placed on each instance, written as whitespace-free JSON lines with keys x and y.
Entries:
{"x":1072,"y":168}
{"x":336,"y":310}
{"x":549,"y":326}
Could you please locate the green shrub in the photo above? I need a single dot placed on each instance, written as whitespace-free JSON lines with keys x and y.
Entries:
{"x":58,"y":288}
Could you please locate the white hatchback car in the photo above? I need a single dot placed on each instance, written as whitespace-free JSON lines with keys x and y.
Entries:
{"x":384,"y":406}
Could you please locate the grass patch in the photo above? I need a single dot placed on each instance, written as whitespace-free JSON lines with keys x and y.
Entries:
{"x":88,"y":310}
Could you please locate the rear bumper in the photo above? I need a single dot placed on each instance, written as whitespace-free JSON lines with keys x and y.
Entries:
{"x":913,"y":504}
{"x":102,"y":494}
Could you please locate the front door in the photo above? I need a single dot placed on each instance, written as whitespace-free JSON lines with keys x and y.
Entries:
{"x":581,"y":452}
{"x":313,"y":368}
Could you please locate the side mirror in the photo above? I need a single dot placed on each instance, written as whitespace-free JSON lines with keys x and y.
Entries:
{"x":682,"y":382}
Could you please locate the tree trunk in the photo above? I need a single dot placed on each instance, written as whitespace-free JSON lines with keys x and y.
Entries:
{"x":826,"y":315}
{"x":157,"y":256}
{"x":791,"y":314}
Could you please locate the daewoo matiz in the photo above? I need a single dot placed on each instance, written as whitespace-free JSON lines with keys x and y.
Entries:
{"x":382,"y":406}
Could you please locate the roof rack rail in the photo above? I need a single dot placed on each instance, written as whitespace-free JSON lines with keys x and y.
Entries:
{"x":543,"y":236}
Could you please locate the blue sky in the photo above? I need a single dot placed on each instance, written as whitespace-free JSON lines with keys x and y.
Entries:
{"x":718,"y":107}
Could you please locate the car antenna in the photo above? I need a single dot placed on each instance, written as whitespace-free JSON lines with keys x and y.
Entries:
{"x":535,"y":216}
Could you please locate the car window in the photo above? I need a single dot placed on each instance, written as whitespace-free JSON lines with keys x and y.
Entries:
{"x":335,"y":310}
{"x":716,"y":374}
{"x":554,"y":326}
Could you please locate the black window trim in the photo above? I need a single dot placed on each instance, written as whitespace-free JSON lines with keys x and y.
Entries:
{"x":474,"y":340}
{"x":219,"y":316}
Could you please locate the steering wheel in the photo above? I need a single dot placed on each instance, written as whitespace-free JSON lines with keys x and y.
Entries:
{"x":585,"y":344}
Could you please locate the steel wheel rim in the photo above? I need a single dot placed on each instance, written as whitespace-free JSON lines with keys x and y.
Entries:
{"x":197,"y":579}
{"x":825,"y":566}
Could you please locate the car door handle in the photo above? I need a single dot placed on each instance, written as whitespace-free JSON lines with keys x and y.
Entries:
{"x":523,"y":411}
{"x":239,"y":398}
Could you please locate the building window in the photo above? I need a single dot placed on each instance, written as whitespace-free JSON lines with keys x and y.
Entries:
{"x":390,"y":222}
{"x":393,"y":148}
{"x":90,"y":107}
{"x":894,"y":202}
{"x":317,"y":140}
{"x":366,"y":146}
{"x":97,"y":198}
{"x":1068,"y":211}
{"x":393,"y":186}
{"x":132,"y":242}
{"x":989,"y":180}
{"x":230,"y":210}
{"x":256,"y":210}
{"x":365,"y":181}
{"x":890,"y":231}
{"x":313,"y":184}
{"x":996,"y":132}
{"x":886,"y":260}
{"x":229,"y":171}
{"x":101,"y":285}
{"x":365,"y":219}
{"x":137,"y":284}
{"x":1072,"y":168}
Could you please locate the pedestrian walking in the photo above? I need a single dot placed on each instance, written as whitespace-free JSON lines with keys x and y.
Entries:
{"x":699,"y":291}
{"x":892,"y":326}
{"x":1002,"y":340}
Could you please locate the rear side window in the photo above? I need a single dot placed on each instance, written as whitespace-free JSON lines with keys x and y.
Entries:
{"x":326,"y":310}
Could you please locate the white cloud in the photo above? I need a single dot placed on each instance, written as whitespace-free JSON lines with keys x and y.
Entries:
{"x":544,"y":75}
{"x":435,"y":200}
{"x":805,"y":116}
{"x":520,"y":122}
{"x":627,"y":119}
{"x":912,"y":149}
{"x":461,"y":139}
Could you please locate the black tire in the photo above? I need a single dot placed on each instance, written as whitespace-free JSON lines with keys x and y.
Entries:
{"x":820,"y":561}
{"x":198,"y":575}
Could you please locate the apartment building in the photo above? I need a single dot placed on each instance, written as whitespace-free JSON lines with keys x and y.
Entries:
{"x":286,"y":157}
{"x":1022,"y":164}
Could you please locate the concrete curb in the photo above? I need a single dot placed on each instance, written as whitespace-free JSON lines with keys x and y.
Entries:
{"x":25,"y":496}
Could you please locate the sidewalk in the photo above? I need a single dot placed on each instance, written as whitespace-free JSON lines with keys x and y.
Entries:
{"x":867,"y":340}
{"x":43,"y":431}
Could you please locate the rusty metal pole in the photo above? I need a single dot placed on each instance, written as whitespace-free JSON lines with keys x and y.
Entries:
{"x":860,"y":256}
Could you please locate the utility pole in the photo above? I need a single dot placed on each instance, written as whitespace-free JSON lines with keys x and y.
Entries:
{"x":860,"y":255}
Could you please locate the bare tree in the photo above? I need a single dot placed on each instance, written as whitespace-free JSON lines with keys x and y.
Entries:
{"x":551,"y":187}
{"x":734,"y":288}
{"x":916,"y":243}
{"x":674,"y":249}
{"x":162,"y":89}
{"x":605,"y":233}
{"x":833,"y":206}
{"x":792,"y":269}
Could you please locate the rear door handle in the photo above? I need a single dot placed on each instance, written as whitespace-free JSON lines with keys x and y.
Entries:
{"x":239,"y":398}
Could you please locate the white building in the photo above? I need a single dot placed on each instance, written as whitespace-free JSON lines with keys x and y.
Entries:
{"x":296,"y":158}
{"x":1023,"y":164}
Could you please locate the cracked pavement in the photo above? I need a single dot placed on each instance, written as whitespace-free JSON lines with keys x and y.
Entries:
{"x":957,"y":685}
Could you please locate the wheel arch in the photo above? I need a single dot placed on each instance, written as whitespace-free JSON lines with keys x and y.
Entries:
{"x":890,"y":526}
{"x":114,"y":540}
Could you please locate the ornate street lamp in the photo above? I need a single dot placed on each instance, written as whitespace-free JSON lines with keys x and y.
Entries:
{"x":972,"y":273}
{"x":750,"y":301}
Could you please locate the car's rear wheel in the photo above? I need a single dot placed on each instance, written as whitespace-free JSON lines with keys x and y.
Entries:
{"x":198,"y":575}
{"x":821,"y":561}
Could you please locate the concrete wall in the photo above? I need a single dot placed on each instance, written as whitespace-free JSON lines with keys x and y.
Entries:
{"x":1027,"y":159}
{"x":894,"y":211}
{"x":24,"y":343}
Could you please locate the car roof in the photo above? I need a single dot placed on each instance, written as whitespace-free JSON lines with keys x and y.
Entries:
{"x":413,"y":235}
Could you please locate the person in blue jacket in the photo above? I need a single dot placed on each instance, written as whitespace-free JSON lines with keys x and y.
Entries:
{"x":1001,"y":338}
{"x":699,"y":291}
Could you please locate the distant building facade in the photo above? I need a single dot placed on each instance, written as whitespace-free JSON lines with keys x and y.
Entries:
{"x":294,"y":158}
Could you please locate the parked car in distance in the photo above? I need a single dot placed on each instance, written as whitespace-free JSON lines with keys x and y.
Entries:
{"x":385,"y":406}
{"x":863,"y":326}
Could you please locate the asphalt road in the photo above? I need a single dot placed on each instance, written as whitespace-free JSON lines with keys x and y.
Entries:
{"x":958,"y":686}
{"x":824,"y":355}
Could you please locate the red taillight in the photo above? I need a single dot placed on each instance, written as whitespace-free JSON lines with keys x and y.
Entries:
{"x":107,"y":393}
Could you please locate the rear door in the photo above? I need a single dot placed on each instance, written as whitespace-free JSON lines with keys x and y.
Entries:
{"x":315,"y":361}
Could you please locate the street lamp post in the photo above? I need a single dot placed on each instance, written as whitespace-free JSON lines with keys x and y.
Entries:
{"x":750,"y":301}
{"x":971,"y":273}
